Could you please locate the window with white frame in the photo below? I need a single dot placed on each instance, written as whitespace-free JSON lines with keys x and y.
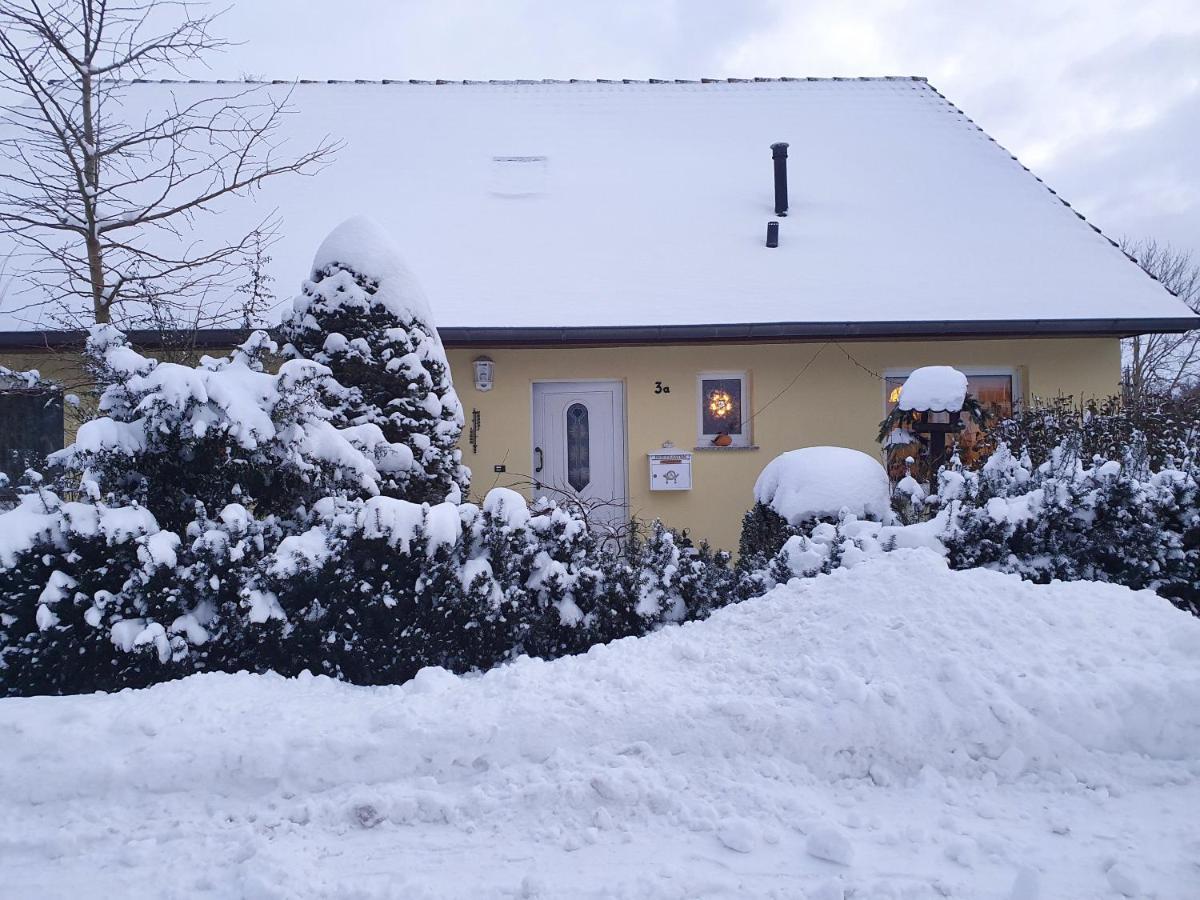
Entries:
{"x":723,"y":413}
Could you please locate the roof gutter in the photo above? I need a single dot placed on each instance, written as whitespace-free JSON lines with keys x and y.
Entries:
{"x":156,"y":339}
{"x":622,"y":335}
{"x":779,"y":332}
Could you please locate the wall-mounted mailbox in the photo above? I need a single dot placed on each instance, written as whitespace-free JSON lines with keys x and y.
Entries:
{"x":671,"y":471}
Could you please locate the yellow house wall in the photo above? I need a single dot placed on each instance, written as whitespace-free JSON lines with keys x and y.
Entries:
{"x":834,"y":402}
{"x":64,"y":368}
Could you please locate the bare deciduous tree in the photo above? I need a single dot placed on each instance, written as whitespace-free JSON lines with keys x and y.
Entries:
{"x":1164,"y":363}
{"x":98,"y":190}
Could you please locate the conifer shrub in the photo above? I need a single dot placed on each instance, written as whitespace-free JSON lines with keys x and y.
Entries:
{"x":1167,"y":428}
{"x":364,"y":317}
{"x":87,"y":602}
{"x":221,"y":517}
{"x":764,"y":532}
{"x":1074,"y":519}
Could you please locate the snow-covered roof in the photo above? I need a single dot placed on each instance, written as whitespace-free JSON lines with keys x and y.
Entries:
{"x":620,"y":205}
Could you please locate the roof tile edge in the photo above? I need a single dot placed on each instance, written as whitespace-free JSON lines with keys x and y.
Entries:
{"x":1053,"y":192}
{"x":754,"y":79}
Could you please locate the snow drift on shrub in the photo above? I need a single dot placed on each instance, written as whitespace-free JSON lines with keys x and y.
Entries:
{"x":362,"y":245}
{"x":823,"y":481}
{"x":897,"y":730}
{"x":150,"y":406}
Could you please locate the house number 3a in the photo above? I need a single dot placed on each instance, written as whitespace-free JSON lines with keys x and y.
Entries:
{"x":660,"y":388}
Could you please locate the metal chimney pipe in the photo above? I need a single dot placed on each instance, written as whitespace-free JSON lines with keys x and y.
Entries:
{"x":779,"y":155}
{"x":772,"y":233}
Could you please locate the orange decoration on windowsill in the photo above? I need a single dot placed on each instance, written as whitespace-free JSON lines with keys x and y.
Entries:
{"x":722,"y":440}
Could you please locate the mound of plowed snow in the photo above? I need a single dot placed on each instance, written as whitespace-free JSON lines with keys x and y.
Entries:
{"x":894,"y":730}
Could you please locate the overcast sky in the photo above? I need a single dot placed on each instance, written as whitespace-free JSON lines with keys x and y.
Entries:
{"x":1099,"y":97}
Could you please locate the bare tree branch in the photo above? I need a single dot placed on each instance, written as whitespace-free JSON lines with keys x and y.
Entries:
{"x":101,"y":200}
{"x":1164,"y":363}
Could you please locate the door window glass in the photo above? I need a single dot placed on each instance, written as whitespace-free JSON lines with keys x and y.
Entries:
{"x":579,"y":468}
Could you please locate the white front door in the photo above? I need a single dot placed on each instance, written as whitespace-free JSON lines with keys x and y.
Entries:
{"x":579,"y":447}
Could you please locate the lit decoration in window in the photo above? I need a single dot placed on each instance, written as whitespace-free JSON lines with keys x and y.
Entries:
{"x":720,"y":404}
{"x":894,"y":396}
{"x":722,"y":399}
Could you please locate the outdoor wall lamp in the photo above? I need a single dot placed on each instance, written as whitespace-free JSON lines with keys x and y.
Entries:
{"x":484,"y":372}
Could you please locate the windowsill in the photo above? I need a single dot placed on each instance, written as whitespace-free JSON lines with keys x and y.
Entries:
{"x":730,"y":448}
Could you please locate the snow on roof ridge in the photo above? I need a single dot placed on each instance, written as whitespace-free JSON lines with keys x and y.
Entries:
{"x":756,"y":79}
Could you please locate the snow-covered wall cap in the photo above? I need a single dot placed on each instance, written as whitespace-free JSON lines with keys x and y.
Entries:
{"x":361,"y":244}
{"x":824,"y":481}
{"x":934,"y":389}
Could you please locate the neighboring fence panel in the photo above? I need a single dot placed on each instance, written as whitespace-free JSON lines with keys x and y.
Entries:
{"x":31,"y":426}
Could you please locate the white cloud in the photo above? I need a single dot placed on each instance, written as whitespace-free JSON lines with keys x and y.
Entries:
{"x":487,"y":38}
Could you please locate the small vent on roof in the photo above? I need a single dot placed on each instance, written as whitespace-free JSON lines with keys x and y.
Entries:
{"x":779,"y":155}
{"x":518,"y":176}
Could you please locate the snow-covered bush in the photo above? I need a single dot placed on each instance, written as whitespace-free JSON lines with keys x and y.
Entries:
{"x":88,"y":601}
{"x":171,"y":435}
{"x":308,"y":519}
{"x":819,"y":548}
{"x":187,"y":481}
{"x":363,"y":315}
{"x":135,"y":576}
{"x":228,"y":614}
{"x":909,"y":498}
{"x":1067,"y":519}
{"x":819,"y":482}
{"x":376,"y":590}
{"x":1167,"y":428}
{"x":371,"y":591}
{"x":705,"y":580}
{"x":802,"y":487}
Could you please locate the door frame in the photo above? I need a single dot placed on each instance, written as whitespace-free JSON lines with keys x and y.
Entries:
{"x":621,"y":444}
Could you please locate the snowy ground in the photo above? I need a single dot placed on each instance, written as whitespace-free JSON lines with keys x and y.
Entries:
{"x":1000,"y":740}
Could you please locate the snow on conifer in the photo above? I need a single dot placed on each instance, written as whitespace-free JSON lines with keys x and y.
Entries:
{"x":814,"y":482}
{"x":364,"y":316}
{"x":172,"y":435}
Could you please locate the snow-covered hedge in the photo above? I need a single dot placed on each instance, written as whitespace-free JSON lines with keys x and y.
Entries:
{"x":1066,"y":519}
{"x":1162,"y":432}
{"x":224,"y":517}
{"x":371,"y":590}
{"x":1070,"y":519}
